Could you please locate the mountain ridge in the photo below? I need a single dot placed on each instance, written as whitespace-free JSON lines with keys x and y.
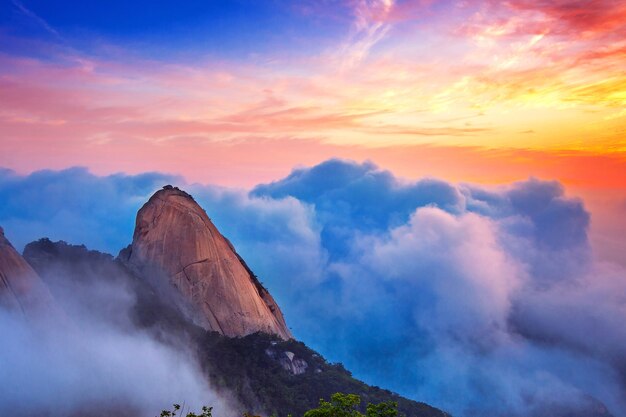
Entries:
{"x":266,"y":372}
{"x":252,"y":368}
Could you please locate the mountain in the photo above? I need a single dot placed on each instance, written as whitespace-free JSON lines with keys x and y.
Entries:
{"x":265,"y":374}
{"x":175,"y":241}
{"x":21,"y":289}
{"x":188,"y":285}
{"x":182,"y":283}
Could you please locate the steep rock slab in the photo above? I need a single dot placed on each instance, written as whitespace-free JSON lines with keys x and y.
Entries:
{"x":21,"y":289}
{"x":175,"y":237}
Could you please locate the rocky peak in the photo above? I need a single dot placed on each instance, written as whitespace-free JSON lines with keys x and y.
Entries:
{"x":175,"y":241}
{"x":21,"y":289}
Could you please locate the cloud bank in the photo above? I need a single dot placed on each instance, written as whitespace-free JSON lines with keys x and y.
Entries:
{"x":482,"y":301}
{"x":74,"y":205}
{"x":94,"y":361}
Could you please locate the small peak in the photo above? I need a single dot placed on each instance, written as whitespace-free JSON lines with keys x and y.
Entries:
{"x":175,"y":239}
{"x":3,"y":239}
{"x":173,"y":190}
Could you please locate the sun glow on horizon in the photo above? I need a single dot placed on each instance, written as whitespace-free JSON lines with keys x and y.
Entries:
{"x":542,"y":77}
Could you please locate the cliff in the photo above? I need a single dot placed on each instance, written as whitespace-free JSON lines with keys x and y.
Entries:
{"x":21,"y":289}
{"x":175,"y":241}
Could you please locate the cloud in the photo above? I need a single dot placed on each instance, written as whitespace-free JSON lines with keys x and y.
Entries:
{"x":368,"y":28}
{"x":578,"y":18}
{"x":74,"y":205}
{"x":449,"y":292}
{"x":351,"y":198}
{"x":59,"y":371}
{"x":280,"y":237}
{"x":32,"y":15}
{"x":542,"y":228}
{"x":479,"y":300}
{"x":426,"y":83}
{"x":94,"y":360}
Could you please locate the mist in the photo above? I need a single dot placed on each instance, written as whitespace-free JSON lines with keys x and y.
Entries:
{"x":95,"y":360}
{"x":483,"y":301}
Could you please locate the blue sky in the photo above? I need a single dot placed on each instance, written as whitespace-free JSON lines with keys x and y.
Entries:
{"x":162,"y":29}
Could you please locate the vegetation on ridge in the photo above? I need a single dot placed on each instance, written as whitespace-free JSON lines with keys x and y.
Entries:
{"x":243,"y":367}
{"x":340,"y":405}
{"x":240,"y":366}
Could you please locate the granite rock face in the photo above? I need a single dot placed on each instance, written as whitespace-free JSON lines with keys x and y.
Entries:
{"x":287,"y":360}
{"x":175,"y":241}
{"x":21,"y":289}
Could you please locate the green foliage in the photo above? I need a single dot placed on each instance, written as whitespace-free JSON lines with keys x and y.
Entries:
{"x":384,"y":409}
{"x":346,"y":405}
{"x":206,"y":412}
{"x":242,"y":366}
{"x":340,"y":405}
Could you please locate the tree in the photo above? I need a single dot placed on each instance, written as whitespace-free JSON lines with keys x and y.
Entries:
{"x":206,"y":412}
{"x":346,"y":405}
{"x":340,"y":405}
{"x":384,"y":409}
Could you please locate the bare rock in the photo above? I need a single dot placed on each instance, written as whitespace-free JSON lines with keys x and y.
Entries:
{"x":21,"y":289}
{"x":293,"y":364}
{"x":288,"y":360}
{"x":174,"y":238}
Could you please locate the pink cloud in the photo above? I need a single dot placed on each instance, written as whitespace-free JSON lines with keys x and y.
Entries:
{"x":432,"y":100}
{"x":586,"y":18}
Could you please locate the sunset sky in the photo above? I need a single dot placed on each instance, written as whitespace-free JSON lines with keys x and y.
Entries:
{"x":238,"y":93}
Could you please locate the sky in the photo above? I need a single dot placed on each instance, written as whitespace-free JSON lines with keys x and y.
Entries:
{"x":239,"y":92}
{"x":471,"y":107}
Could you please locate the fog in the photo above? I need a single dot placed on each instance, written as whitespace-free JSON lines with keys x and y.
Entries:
{"x":483,"y":301}
{"x":93,"y":361}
